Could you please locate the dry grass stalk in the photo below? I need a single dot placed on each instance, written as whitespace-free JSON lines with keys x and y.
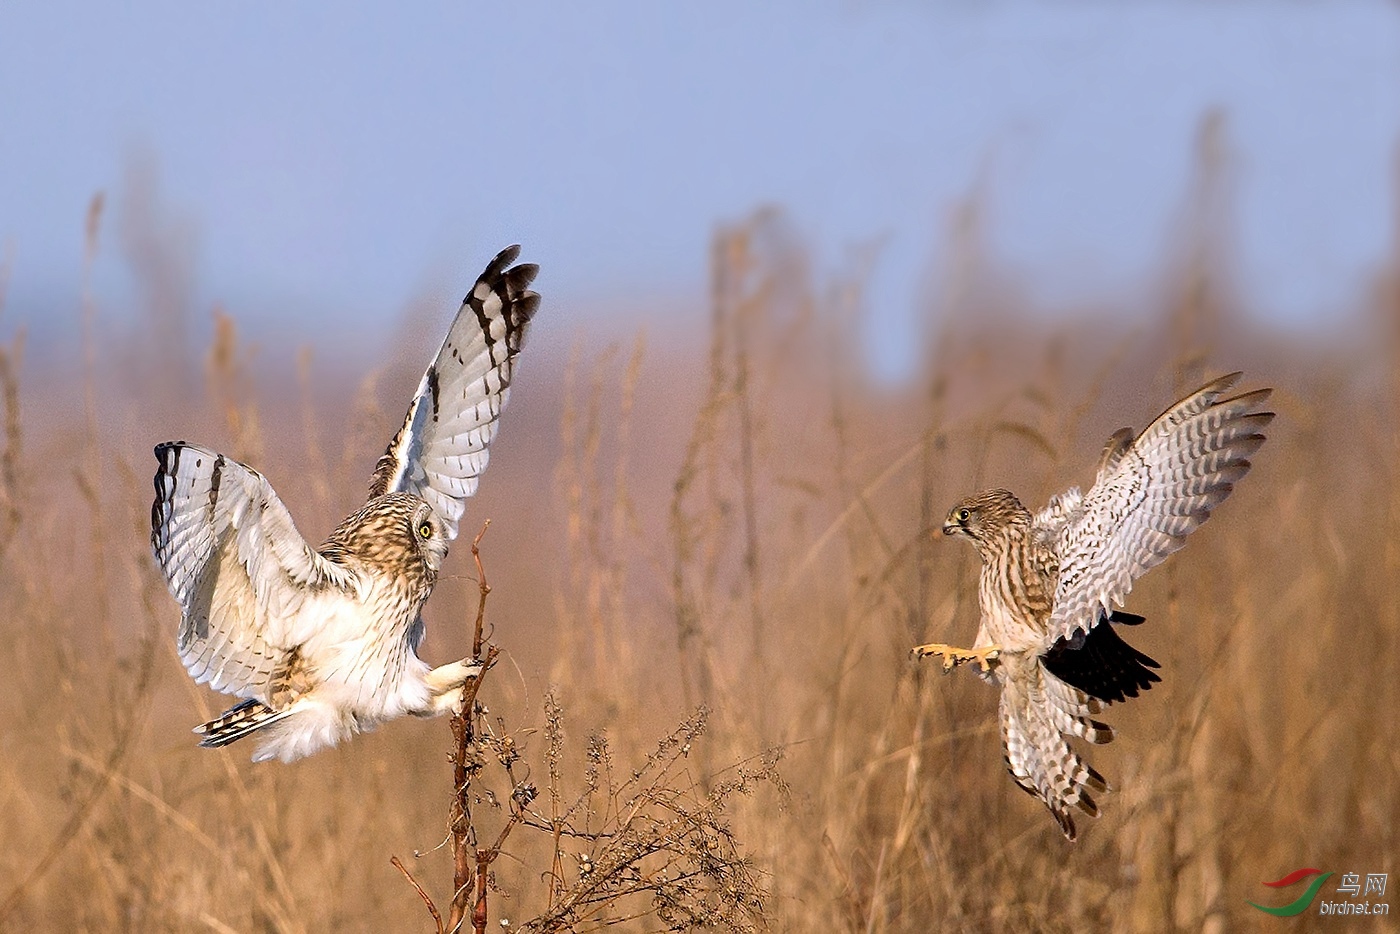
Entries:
{"x":600,"y":516}
{"x":317,"y":469}
{"x":231,"y":388}
{"x":11,"y":491}
{"x":131,"y":715}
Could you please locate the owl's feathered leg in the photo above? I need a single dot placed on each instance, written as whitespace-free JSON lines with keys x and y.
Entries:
{"x":953,"y":657}
{"x":445,"y":681}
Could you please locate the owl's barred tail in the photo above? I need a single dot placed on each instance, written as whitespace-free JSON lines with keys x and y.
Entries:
{"x":237,"y":722}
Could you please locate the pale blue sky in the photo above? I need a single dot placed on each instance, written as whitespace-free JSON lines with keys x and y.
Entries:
{"x":345,"y":158}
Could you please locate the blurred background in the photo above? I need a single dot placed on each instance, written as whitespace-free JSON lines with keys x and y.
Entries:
{"x":811,"y":273}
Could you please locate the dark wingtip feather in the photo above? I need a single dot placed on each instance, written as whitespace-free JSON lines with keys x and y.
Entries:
{"x":1102,"y":732}
{"x":1223,"y":382}
{"x":504,"y":258}
{"x":527,"y":304}
{"x":512,"y":283}
{"x":1101,"y":664}
{"x":1066,"y":823}
{"x":1252,"y":398}
{"x":1094,"y":779}
{"x":518,"y":277}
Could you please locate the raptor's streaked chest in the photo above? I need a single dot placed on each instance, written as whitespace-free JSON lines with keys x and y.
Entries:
{"x":1016,"y":589}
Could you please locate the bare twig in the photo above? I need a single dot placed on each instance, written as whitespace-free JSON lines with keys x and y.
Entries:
{"x":468,"y":861}
{"x":469,"y":864}
{"x":485,"y":589}
{"x":427,"y":899}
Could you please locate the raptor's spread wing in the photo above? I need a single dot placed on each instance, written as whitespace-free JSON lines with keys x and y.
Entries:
{"x":235,"y":562}
{"x":442,"y":447}
{"x":1149,"y":495}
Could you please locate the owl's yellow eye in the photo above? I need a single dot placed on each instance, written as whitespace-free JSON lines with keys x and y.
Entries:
{"x":964,"y":515}
{"x":426,"y":530}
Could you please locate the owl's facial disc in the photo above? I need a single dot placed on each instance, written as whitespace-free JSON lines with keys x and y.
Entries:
{"x":429,"y":536}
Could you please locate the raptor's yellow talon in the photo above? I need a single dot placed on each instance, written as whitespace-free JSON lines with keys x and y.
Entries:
{"x":953,"y":657}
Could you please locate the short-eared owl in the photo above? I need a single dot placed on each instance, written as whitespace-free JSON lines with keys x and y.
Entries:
{"x":1050,"y":581}
{"x":323,"y":642}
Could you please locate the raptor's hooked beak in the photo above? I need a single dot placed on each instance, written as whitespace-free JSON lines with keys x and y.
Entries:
{"x":951,"y":528}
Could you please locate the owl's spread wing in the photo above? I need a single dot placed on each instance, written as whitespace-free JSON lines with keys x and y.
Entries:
{"x":236,"y":564}
{"x":442,"y":447}
{"x":1149,"y":495}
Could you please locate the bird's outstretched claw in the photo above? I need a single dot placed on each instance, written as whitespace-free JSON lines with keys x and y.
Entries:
{"x":453,"y":675}
{"x":953,"y":657}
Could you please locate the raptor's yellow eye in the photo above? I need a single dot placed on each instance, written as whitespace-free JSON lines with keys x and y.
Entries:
{"x":964,"y":515}
{"x":426,"y":530}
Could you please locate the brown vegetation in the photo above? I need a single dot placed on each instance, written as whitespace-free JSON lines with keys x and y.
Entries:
{"x":744,"y":531}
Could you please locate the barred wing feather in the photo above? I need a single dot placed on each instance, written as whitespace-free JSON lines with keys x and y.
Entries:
{"x":443,"y":446}
{"x":1149,"y":496}
{"x":235,"y":562}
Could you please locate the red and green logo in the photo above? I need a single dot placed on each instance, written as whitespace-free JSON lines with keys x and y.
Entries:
{"x":1304,"y":900}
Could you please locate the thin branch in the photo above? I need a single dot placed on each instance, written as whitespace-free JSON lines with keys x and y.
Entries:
{"x":485,"y":589}
{"x":427,"y":899}
{"x":466,"y":859}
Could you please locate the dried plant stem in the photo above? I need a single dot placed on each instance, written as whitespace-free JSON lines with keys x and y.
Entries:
{"x":78,"y":817}
{"x":467,"y":860}
{"x":10,"y":494}
{"x":752,"y":561}
{"x":470,"y":863}
{"x":427,"y":899}
{"x":92,"y":460}
{"x":484,"y":589}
